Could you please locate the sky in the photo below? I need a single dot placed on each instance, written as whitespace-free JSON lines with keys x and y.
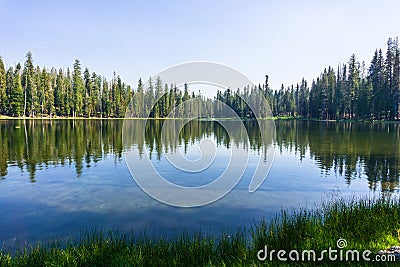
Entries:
{"x":287,"y":39}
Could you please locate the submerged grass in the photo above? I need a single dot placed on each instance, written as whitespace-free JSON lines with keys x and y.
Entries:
{"x":366,"y":224}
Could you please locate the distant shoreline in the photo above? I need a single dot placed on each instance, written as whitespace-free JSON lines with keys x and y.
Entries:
{"x":275,"y":118}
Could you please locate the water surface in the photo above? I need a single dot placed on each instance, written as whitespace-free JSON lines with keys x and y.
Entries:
{"x":60,"y":177}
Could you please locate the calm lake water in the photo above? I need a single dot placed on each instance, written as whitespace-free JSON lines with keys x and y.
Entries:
{"x":58,"y":178}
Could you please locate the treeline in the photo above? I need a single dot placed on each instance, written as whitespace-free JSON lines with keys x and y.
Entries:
{"x":353,"y":91}
{"x":31,"y":91}
{"x":34,"y":92}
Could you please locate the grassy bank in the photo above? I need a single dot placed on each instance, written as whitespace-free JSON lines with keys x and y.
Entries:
{"x":365,"y":224}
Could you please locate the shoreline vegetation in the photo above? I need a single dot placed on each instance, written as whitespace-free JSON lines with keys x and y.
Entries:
{"x":356,"y":90}
{"x":365,"y":224}
{"x":3,"y":117}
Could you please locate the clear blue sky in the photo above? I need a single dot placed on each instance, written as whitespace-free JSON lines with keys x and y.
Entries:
{"x":286,"y":39}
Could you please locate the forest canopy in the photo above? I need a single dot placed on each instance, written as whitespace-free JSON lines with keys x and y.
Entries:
{"x":354,"y":91}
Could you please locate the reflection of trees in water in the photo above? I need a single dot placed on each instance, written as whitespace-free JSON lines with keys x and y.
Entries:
{"x":350,"y":150}
{"x":190,"y":133}
{"x":36,"y":144}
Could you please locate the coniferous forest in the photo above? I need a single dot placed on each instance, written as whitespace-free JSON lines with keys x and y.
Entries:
{"x":351,"y":91}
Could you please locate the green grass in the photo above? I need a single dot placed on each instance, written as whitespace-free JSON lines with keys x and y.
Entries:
{"x":365,"y":224}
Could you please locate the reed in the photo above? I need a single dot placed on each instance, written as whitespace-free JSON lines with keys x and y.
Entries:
{"x":366,"y":224}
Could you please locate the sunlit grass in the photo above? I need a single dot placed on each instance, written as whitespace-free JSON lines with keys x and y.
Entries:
{"x":364,"y":223}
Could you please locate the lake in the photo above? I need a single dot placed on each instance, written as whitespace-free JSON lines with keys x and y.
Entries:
{"x":60,"y":177}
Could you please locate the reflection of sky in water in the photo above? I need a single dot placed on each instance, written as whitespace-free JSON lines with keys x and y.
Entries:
{"x":105,"y":196}
{"x":179,"y":176}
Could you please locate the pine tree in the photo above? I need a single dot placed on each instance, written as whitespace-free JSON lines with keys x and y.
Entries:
{"x":353,"y":83}
{"x":86,"y":93}
{"x":28,"y":83}
{"x":69,"y":96}
{"x":94,"y":104}
{"x":77,"y":89}
{"x":171,"y":99}
{"x":391,"y":77}
{"x":388,"y":85}
{"x":52,"y":76}
{"x":159,"y":105}
{"x":106,"y":99}
{"x":119,"y":98}
{"x":43,"y":90}
{"x":396,"y":82}
{"x":331,"y":93}
{"x":376,"y":75}
{"x":138,"y":104}
{"x":3,"y":95}
{"x":9,"y":89}
{"x":303,"y":99}
{"x":16,"y":93}
{"x":165,"y":100}
{"x":59,"y":94}
{"x":149,"y":99}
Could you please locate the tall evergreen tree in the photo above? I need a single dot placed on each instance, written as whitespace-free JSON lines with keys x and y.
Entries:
{"x":3,"y":95}
{"x":86,"y":92}
{"x":28,"y":83}
{"x":94,"y":103}
{"x":353,"y":83}
{"x":59,"y":94}
{"x":69,"y":96}
{"x":106,"y":99}
{"x":396,"y":82}
{"x":16,"y":93}
{"x":303,"y":99}
{"x":77,"y":89}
